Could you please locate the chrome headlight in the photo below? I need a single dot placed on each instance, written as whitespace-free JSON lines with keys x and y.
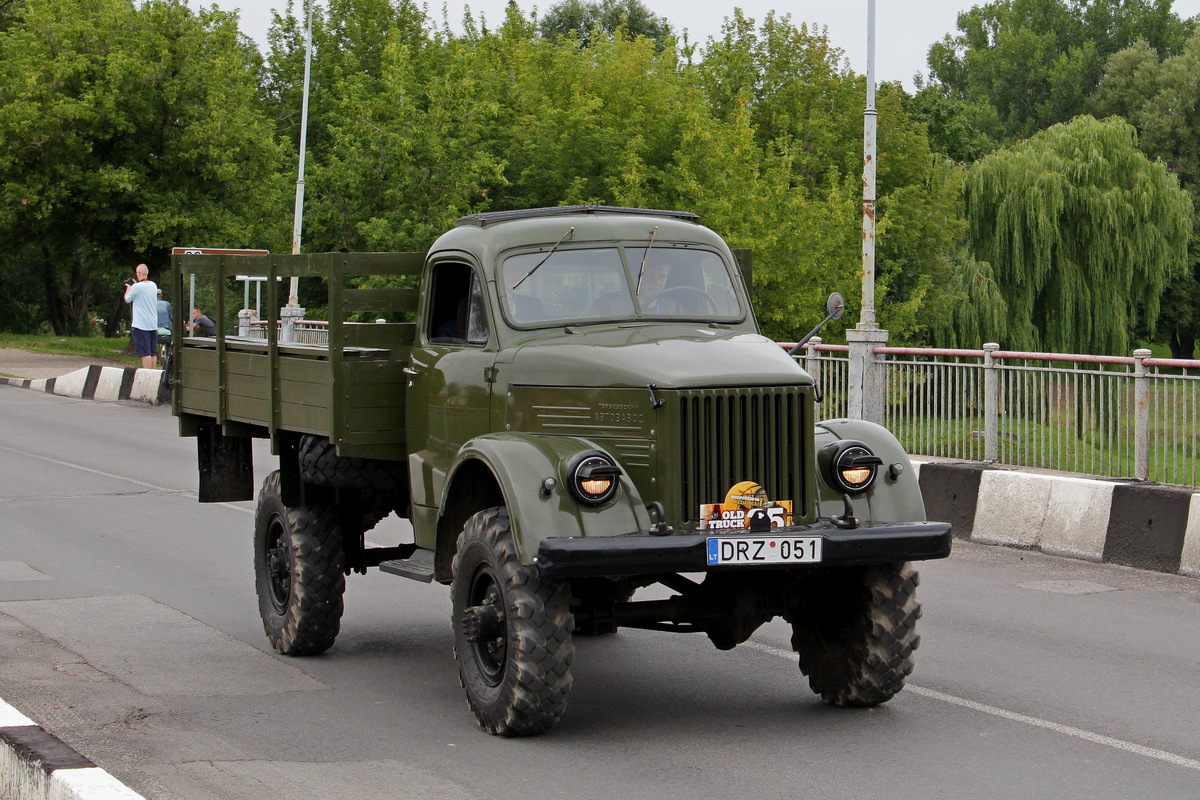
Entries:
{"x":852,"y":467}
{"x":592,"y":478}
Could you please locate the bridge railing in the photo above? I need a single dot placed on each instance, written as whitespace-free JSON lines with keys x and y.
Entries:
{"x":1109,"y":416}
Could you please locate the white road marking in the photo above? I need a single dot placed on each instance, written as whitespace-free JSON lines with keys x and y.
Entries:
{"x":127,"y":479}
{"x":1025,"y":719}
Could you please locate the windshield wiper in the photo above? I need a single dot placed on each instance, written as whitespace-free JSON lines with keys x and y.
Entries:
{"x":543,"y":261}
{"x":645,"y":258}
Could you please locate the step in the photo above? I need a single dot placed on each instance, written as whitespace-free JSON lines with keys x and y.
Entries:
{"x":419,"y":566}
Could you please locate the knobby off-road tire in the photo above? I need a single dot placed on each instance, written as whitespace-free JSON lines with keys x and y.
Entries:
{"x":860,"y":649}
{"x":298,"y":562}
{"x":512,"y":632}
{"x":322,"y":466}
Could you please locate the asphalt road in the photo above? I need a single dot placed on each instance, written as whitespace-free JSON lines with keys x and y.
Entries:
{"x":129,"y":628}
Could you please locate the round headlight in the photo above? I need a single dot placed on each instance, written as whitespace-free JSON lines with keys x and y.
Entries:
{"x":852,"y":467}
{"x":593,"y":478}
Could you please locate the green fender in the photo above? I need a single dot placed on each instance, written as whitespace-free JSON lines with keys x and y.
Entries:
{"x":521,"y":462}
{"x":888,"y":499}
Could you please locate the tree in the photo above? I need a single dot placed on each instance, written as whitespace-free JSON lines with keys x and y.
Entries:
{"x":1082,"y":233}
{"x":585,"y":18}
{"x":1037,"y":61}
{"x":1159,"y":98}
{"x":124,"y":131}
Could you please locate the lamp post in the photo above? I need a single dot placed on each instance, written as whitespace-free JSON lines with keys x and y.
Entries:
{"x":867,"y":378}
{"x":870,"y":119}
{"x":292,"y":311}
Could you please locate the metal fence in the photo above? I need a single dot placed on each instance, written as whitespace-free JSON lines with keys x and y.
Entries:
{"x":1121,"y":417}
{"x":304,"y":331}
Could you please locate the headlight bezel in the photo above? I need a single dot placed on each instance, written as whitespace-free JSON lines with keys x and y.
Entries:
{"x":593,"y":466}
{"x":847,"y":458}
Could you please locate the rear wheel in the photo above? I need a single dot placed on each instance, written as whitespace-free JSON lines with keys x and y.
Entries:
{"x":298,"y":563}
{"x":512,"y":632}
{"x":856,"y":646}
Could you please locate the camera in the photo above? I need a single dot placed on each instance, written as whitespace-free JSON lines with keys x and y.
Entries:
{"x":130,"y":281}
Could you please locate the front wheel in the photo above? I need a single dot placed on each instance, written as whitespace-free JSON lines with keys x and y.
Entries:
{"x":298,"y":563}
{"x":512,"y":632}
{"x":856,"y":643}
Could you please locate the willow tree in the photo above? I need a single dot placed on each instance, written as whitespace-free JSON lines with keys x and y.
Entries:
{"x":1082,"y":232}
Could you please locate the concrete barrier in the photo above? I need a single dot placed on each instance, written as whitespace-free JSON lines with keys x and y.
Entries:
{"x":1141,"y":525}
{"x":98,"y":383}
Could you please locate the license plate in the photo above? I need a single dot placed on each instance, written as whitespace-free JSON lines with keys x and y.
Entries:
{"x":764,"y":550}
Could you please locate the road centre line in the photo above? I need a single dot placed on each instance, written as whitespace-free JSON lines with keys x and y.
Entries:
{"x":1012,"y":716}
{"x":113,"y":475}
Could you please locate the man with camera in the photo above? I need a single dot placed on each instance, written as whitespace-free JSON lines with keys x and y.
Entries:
{"x":142,"y":295}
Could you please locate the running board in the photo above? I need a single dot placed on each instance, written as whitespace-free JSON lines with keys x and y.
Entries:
{"x":419,"y":566}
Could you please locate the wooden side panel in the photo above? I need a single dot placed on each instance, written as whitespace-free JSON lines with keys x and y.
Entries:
{"x":374,"y":411}
{"x":198,"y":376}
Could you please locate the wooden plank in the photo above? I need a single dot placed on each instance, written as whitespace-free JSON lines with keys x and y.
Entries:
{"x":376,"y":372}
{"x":380,"y":335}
{"x":306,"y":419}
{"x":359,"y":264}
{"x":198,"y":401}
{"x":379,"y":301}
{"x":255,"y":410}
{"x":304,"y":370}
{"x":248,"y":386}
{"x":376,"y":419}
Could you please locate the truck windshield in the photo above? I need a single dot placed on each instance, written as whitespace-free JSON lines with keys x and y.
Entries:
{"x":597,"y":284}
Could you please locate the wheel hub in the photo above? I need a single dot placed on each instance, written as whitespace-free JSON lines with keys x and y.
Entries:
{"x":484,"y":626}
{"x":279,"y":571}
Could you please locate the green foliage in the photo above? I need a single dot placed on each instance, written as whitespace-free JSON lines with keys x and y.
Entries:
{"x":1159,"y":97}
{"x":1037,"y":61}
{"x":124,"y":131}
{"x":1082,"y":233}
{"x":586,"y":18}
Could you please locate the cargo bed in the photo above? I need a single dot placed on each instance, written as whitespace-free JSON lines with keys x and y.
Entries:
{"x":350,"y":390}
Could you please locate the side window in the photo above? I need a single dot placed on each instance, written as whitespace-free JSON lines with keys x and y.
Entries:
{"x":457,"y":313}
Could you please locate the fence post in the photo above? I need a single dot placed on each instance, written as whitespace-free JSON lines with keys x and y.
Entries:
{"x":867,"y":374}
{"x":288,"y":317}
{"x":991,"y":404}
{"x":1141,"y":416}
{"x":812,"y":361}
{"x":245,"y":317}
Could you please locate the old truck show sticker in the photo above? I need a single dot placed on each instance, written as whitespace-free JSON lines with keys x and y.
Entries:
{"x":746,"y":507}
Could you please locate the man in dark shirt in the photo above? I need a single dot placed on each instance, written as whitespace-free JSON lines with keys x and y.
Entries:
{"x":202,"y":324}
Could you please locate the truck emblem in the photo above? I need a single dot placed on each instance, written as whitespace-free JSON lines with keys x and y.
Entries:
{"x":746,"y":507}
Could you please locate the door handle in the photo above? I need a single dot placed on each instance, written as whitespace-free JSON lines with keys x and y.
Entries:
{"x":409,"y":371}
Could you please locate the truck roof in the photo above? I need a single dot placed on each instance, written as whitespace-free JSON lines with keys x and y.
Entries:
{"x":489,"y":217}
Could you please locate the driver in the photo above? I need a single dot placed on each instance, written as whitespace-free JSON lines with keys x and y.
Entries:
{"x":654,"y":281}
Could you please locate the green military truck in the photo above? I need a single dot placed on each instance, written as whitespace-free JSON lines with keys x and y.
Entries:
{"x":568,"y":404}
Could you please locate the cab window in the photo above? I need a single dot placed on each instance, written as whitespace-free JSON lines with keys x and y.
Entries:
{"x":457,"y":312}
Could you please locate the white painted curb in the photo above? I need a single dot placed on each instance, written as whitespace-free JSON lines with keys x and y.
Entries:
{"x":26,"y":776}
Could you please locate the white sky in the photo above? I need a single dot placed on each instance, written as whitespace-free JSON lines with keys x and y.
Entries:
{"x":904,"y":30}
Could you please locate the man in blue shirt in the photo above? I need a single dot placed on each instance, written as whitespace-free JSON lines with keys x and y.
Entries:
{"x":142,"y":295}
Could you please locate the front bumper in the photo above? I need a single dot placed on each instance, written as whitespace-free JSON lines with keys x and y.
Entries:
{"x":646,"y":554}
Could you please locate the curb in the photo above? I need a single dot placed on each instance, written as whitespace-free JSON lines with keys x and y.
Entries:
{"x":1141,"y":525}
{"x":98,"y":383}
{"x":36,"y":765}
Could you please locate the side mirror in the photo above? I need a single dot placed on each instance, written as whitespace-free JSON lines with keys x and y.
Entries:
{"x":835,"y":307}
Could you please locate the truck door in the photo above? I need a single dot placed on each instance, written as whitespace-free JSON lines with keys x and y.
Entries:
{"x":449,"y":393}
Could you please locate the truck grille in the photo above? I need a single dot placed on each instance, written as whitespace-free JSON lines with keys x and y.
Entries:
{"x":731,"y":435}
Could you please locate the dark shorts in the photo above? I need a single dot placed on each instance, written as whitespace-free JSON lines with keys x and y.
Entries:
{"x":145,"y":343}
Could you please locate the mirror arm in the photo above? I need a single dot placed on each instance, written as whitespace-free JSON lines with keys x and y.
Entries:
{"x":811,"y":334}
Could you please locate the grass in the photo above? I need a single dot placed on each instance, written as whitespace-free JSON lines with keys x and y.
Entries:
{"x":86,"y":346}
